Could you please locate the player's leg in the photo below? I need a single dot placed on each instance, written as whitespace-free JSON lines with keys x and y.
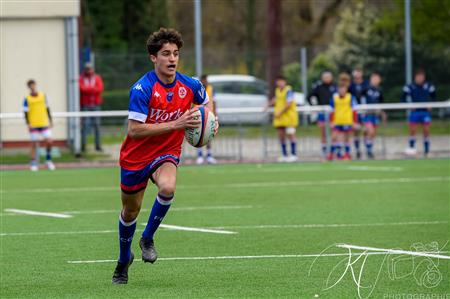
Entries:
{"x":334,"y":144}
{"x":323,"y":137}
{"x":46,"y":133}
{"x":412,"y":125}
{"x":290,"y":133}
{"x":209,"y":156}
{"x":370,"y":134}
{"x":426,"y":120}
{"x":356,"y":138}
{"x":34,"y":163}
{"x":346,"y":137}
{"x":97,"y":136}
{"x":165,"y":178}
{"x":282,"y":139}
{"x":200,"y":159}
{"x":131,"y":205}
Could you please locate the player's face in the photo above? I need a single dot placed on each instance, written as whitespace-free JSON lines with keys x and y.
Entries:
{"x":33,"y":88}
{"x":342,"y":90}
{"x":357,"y":75}
{"x":327,"y":78}
{"x":204,"y":81}
{"x":280,"y":83}
{"x":375,"y":80}
{"x":166,"y":60}
{"x":419,"y":78}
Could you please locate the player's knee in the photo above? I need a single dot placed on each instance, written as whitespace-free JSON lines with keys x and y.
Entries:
{"x":130,"y":213}
{"x":167,"y":187}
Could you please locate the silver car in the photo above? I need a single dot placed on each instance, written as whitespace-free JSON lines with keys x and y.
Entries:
{"x":241,"y":91}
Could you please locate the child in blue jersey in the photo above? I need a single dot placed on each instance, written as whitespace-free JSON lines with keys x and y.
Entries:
{"x":371,"y":95}
{"x":417,"y":92}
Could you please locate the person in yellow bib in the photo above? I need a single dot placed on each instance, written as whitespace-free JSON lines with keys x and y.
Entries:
{"x":212,"y":97}
{"x":39,"y":122}
{"x":343,"y":119}
{"x":285,"y":118}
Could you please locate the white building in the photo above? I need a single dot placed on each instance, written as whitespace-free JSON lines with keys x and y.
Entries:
{"x":38,"y":40}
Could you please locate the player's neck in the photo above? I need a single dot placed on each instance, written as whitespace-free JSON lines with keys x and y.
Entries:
{"x":164,"y":78}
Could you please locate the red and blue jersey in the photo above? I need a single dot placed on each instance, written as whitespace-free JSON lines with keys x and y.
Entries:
{"x":153,"y":102}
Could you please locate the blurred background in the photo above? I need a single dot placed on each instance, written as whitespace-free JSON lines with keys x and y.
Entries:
{"x":51,"y":42}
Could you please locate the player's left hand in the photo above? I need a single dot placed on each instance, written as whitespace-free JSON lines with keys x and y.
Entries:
{"x":216,"y":128}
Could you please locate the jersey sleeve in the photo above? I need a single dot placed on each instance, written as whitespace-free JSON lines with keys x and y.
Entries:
{"x":25,"y":105}
{"x":200,"y":94}
{"x":332,"y":103}
{"x":290,"y":96}
{"x":406,"y":93}
{"x":432,"y":91}
{"x":138,"y":107}
{"x":354,"y":102}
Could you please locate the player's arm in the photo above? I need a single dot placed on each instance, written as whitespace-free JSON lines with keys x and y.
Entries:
{"x":332,"y":112}
{"x":138,"y":129}
{"x":313,"y":98}
{"x":406,"y":94}
{"x":25,"y":111}
{"x":353,"y":104}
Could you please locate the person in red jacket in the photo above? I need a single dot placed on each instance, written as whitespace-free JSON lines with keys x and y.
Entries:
{"x":91,"y":88}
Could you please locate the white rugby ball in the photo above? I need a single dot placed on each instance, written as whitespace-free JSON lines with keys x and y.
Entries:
{"x":202,"y":135}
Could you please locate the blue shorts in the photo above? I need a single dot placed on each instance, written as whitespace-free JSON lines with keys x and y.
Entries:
{"x":133,"y":181}
{"x":420,"y":117}
{"x":346,"y":128}
{"x":372,"y":119}
{"x":321,"y":117}
{"x":360,"y":118}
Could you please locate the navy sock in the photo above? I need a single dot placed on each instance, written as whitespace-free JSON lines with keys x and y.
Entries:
{"x":126,"y":232}
{"x":338,"y":150}
{"x":412,"y":142}
{"x":294,"y":148}
{"x":426,"y":145}
{"x":356,"y":143}
{"x":324,"y":149}
{"x":369,"y":146}
{"x":284,"y":149}
{"x":159,"y":210}
{"x":347,"y":148}
{"x":199,"y":153}
{"x":48,"y":155}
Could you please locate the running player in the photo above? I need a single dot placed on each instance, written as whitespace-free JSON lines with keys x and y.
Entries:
{"x":372,"y":95}
{"x":39,"y":122}
{"x":160,"y":110}
{"x":342,"y":119}
{"x":212,"y":97}
{"x":419,"y":91}
{"x":321,"y":95}
{"x":356,"y":89}
{"x":285,"y":118}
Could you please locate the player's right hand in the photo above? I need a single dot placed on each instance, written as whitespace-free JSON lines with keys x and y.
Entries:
{"x":188,"y":120}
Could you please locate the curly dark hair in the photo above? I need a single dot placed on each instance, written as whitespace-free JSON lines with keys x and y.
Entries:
{"x":157,"y":39}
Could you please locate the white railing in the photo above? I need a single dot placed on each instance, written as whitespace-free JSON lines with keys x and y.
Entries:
{"x":301,"y":109}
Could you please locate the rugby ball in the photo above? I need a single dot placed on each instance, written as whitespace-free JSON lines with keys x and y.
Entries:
{"x":202,"y":135}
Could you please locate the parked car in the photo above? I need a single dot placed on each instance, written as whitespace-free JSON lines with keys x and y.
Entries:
{"x":242,"y":91}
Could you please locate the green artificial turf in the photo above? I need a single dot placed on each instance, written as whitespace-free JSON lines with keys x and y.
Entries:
{"x":280,"y":213}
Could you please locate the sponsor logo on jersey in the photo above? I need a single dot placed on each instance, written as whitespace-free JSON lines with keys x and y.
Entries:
{"x":156,"y":94}
{"x":182,"y":92}
{"x":160,"y":115}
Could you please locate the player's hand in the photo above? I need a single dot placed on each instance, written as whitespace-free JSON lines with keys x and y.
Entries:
{"x":331,"y":125}
{"x":277,"y":115}
{"x":216,"y":128}
{"x":188,"y":120}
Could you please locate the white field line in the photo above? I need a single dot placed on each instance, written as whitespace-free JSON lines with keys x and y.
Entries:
{"x":37,"y":213}
{"x":269,"y":184}
{"x":174,"y":209}
{"x":374,"y":168}
{"x":394,"y":251}
{"x":331,"y":225}
{"x":306,"y":226}
{"x":196,"y":229}
{"x":245,"y":257}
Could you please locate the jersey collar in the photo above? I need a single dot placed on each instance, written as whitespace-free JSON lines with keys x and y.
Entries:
{"x":170,"y":85}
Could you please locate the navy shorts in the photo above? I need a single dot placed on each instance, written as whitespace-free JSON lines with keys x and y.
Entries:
{"x":347,"y":128}
{"x":420,"y":117}
{"x":372,"y":119}
{"x":133,"y":181}
{"x":321,"y":117}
